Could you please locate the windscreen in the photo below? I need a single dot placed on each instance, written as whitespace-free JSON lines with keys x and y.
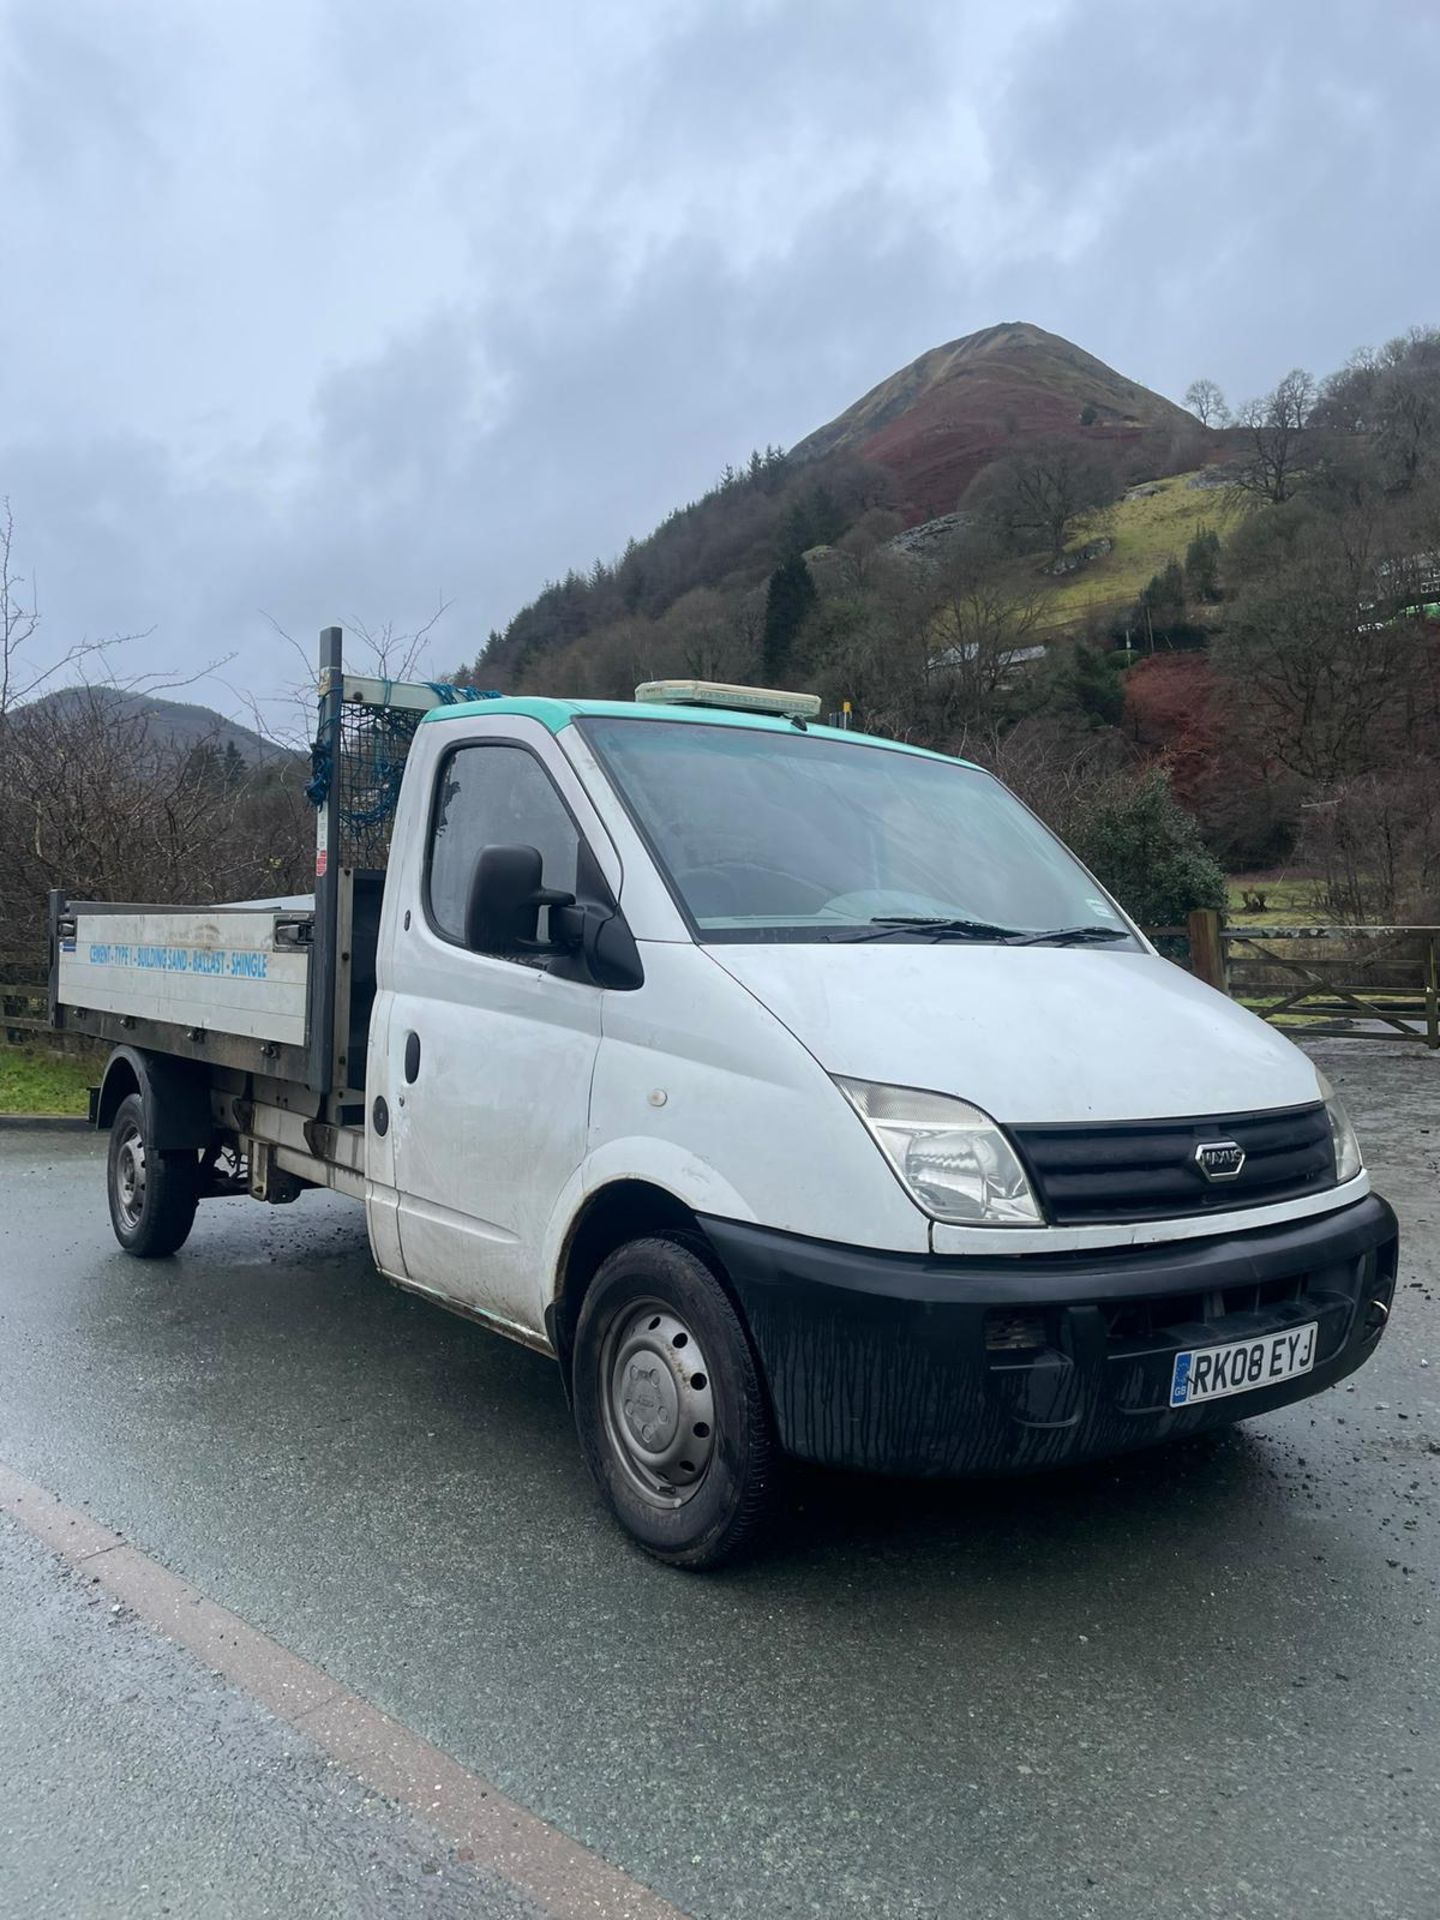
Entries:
{"x":791,"y":835}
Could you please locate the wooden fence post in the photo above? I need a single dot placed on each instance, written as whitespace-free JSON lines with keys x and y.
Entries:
{"x":1207,"y":949}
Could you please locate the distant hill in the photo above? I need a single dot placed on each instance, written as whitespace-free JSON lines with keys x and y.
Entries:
{"x":181,"y":724}
{"x":935,"y":423}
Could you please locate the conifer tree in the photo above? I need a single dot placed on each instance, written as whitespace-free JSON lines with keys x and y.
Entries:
{"x":788,"y":600}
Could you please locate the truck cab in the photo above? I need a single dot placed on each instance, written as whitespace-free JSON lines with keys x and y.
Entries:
{"x":804,"y":1096}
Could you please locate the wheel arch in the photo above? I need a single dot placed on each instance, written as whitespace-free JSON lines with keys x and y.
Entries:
{"x":621,"y":1210}
{"x":175,"y":1094}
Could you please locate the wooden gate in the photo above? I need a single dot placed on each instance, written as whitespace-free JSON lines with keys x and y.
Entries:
{"x":1368,"y":983}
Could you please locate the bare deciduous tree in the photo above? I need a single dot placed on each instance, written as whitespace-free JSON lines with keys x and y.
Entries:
{"x":1276,"y":453}
{"x":1392,"y":400}
{"x":982,"y":631}
{"x":1326,"y":681}
{"x":1043,"y":495}
{"x":1375,"y":840}
{"x":21,"y":676}
{"x":1206,"y":401}
{"x":396,"y":654}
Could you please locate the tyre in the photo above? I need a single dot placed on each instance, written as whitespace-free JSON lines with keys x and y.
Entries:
{"x":671,"y":1410}
{"x":153,"y":1195}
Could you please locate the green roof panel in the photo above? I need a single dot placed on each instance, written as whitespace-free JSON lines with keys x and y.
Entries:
{"x":556,"y":715}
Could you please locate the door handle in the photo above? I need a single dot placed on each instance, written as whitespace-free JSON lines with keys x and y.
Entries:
{"x":412,"y":1058}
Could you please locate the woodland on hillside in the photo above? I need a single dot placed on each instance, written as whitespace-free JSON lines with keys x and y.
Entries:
{"x":1271,"y":696}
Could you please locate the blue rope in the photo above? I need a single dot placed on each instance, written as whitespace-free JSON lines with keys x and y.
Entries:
{"x":317,"y":787}
{"x":451,"y":696}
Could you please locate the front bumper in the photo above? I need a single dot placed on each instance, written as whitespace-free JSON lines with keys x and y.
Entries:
{"x":920,"y":1364}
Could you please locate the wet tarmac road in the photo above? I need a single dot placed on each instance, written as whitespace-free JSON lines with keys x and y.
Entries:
{"x":1203,"y":1682}
{"x":133,"y":1785}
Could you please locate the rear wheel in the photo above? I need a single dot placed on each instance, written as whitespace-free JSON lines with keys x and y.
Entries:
{"x":152,"y":1195}
{"x":670,"y":1407}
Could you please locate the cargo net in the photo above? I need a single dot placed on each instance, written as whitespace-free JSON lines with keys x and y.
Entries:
{"x":361,"y":778}
{"x":374,"y":744}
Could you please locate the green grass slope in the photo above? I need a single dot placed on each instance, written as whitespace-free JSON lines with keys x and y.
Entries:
{"x":1147,"y":533}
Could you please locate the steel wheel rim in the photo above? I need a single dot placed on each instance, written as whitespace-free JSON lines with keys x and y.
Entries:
{"x":130,"y":1176}
{"x":658,"y":1403}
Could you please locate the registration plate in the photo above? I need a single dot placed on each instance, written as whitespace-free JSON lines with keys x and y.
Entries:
{"x":1209,"y":1373}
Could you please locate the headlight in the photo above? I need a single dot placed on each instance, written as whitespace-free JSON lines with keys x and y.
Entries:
{"x":952,"y":1159}
{"x":1342,"y":1135}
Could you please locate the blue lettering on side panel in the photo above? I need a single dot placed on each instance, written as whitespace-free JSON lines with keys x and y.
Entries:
{"x":240,"y":963}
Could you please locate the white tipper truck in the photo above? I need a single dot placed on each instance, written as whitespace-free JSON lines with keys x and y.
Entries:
{"x":797,"y":1091}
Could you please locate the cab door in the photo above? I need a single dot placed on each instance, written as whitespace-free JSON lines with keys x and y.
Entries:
{"x":489,"y":1056}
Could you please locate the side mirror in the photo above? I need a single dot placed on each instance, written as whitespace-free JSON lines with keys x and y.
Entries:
{"x":502,"y":910}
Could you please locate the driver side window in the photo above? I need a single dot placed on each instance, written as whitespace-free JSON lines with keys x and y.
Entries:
{"x":493,"y":796}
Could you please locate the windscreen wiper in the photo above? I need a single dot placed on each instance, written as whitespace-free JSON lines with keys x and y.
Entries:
{"x":883,"y":927}
{"x":1068,"y":936}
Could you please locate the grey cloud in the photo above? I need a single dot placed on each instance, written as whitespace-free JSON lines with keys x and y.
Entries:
{"x":64,"y":82}
{"x":1254,"y":185}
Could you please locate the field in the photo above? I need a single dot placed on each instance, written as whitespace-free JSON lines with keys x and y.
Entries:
{"x":1147,"y":533}
{"x":1289,"y":902}
{"x":36,"y":1079}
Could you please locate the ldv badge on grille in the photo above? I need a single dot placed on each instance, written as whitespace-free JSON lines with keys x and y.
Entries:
{"x":1220,"y":1159}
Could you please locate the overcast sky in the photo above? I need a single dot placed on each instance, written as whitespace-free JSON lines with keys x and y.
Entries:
{"x":330,"y":311}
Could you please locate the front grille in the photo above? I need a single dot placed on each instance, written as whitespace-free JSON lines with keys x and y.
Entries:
{"x":1166,"y":1316}
{"x":1146,"y":1170}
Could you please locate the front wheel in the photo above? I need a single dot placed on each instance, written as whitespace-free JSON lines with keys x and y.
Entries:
{"x":152,"y":1195}
{"x":670,"y":1407}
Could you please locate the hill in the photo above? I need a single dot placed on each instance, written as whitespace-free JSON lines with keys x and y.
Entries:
{"x":905,"y":452}
{"x":177,"y":724}
{"x":935,"y":423}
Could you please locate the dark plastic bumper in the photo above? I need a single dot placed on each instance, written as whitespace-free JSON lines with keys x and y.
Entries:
{"x":901,"y":1363}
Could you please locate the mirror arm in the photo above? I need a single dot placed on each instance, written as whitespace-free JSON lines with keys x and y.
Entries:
{"x":560,"y":903}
